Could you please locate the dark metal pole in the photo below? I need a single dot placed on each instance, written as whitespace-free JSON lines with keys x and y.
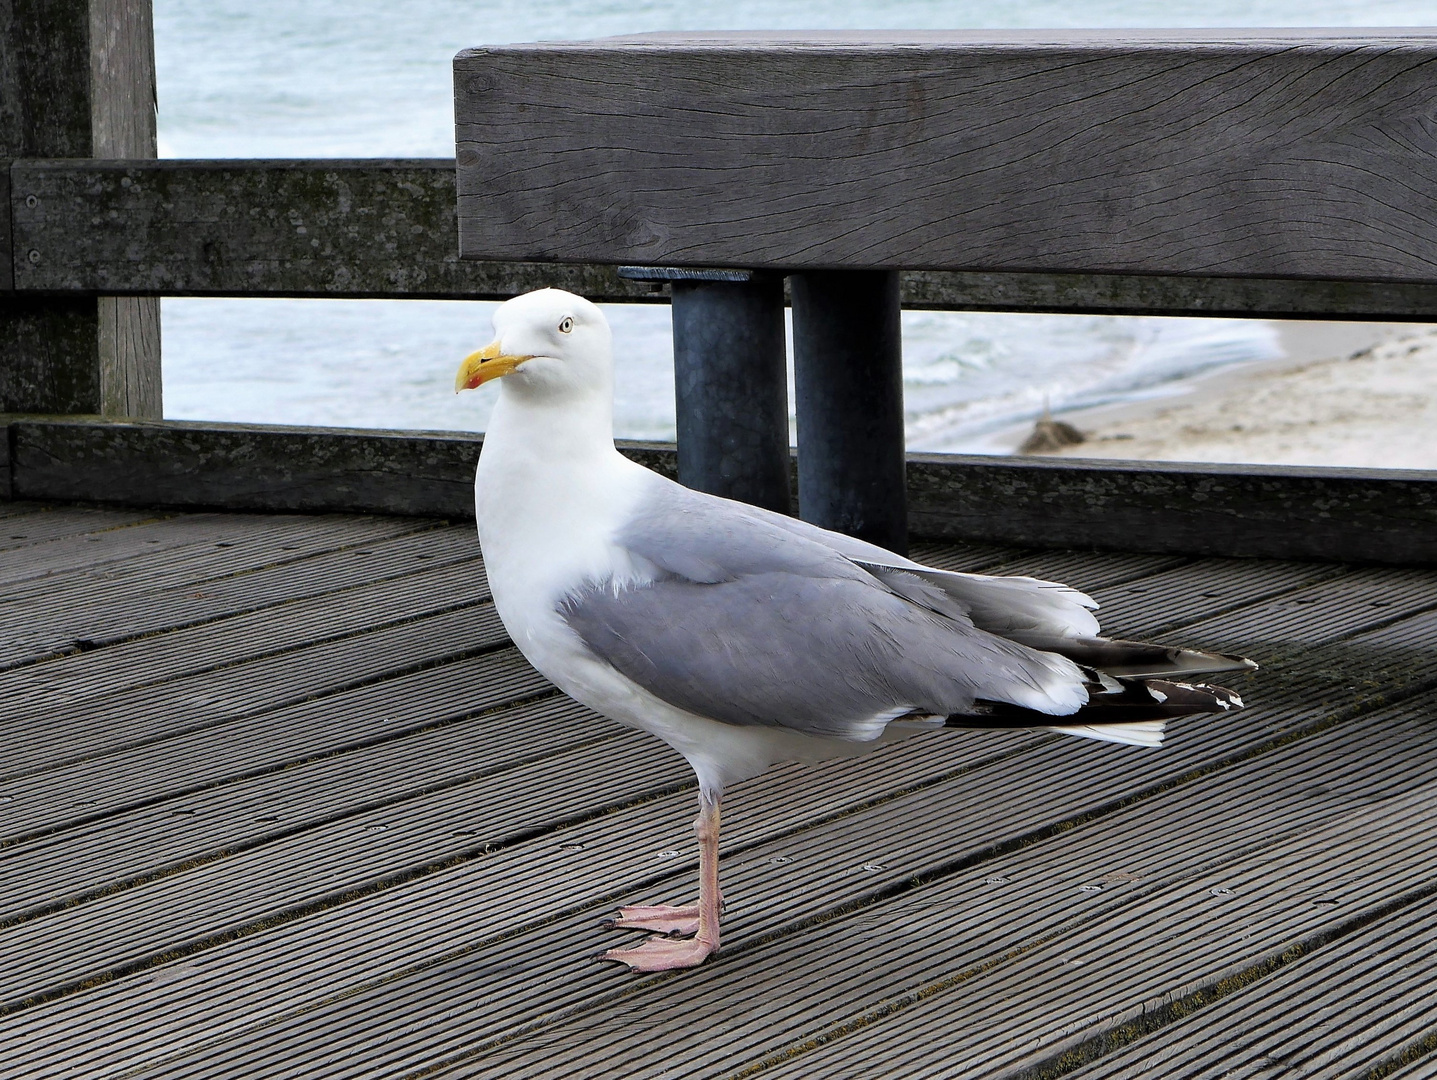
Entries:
{"x":730,"y":383}
{"x":848,"y":368}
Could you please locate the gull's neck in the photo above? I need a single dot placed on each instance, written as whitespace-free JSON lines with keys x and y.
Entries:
{"x":577,"y":429}
{"x":552,"y":493}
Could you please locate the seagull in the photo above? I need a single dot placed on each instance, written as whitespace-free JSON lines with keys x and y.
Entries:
{"x":744,"y":638}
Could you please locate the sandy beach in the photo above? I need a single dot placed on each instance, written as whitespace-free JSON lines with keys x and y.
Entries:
{"x":1353,"y":394}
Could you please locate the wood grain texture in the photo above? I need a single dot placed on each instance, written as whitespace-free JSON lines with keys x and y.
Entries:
{"x":387,"y":229}
{"x":853,"y":977}
{"x":50,"y":348}
{"x":186,"y":651}
{"x":1305,"y":154}
{"x":48,"y":344}
{"x":7,"y":488}
{"x":341,"y":228}
{"x":795,"y":856}
{"x":258,"y":467}
{"x":1267,"y":511}
{"x":392,"y":878}
{"x":265,"y":808}
{"x":239,"y":467}
{"x":131,"y":384}
{"x":1293,"y":1022}
{"x":7,"y":267}
{"x":256,"y":565}
{"x":44,"y":79}
{"x":41,"y":524}
{"x":787,"y":972}
{"x":122,"y":79}
{"x":265,"y":742}
{"x":78,"y":78}
{"x":129,"y":602}
{"x":123,"y":123}
{"x":1137,"y":294}
{"x":176,"y":551}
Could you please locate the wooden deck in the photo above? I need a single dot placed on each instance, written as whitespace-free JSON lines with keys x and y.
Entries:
{"x":277,"y":797}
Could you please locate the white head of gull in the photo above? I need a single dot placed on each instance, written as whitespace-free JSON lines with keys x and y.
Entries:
{"x":744,"y":638}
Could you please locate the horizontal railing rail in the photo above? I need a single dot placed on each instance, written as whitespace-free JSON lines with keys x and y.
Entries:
{"x":387,"y":229}
{"x":1351,"y":515}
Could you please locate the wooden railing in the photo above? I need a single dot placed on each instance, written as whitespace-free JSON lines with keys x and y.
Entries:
{"x":387,"y":229}
{"x":1240,"y":174}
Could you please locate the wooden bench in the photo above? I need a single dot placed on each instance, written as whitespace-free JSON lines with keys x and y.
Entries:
{"x":841,"y":159}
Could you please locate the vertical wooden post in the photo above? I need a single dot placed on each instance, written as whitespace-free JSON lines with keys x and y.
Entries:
{"x":77,"y":79}
{"x":731,"y":389}
{"x":848,"y":372}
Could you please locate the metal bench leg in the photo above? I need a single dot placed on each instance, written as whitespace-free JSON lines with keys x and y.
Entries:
{"x":848,"y":366}
{"x":731,"y":389}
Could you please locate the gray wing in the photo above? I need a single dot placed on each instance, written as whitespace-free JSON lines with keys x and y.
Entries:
{"x":1035,"y":612}
{"x":751,"y":624}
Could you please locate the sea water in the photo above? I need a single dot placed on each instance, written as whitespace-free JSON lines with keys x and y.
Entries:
{"x":364,"y":78}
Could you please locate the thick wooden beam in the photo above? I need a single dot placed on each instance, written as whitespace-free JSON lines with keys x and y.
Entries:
{"x":1137,"y":294}
{"x":1283,"y":154}
{"x":1349,"y":515}
{"x":77,"y":79}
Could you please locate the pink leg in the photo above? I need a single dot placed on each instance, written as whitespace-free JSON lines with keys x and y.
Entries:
{"x":667,"y":954}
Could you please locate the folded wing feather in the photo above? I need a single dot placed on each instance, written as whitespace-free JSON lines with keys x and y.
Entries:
{"x":750,"y":617}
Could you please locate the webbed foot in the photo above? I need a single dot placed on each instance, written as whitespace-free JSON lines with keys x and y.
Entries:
{"x":657,"y":919}
{"x":663,"y":954}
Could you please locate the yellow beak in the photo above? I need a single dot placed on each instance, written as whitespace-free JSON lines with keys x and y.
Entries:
{"x":486,"y":364}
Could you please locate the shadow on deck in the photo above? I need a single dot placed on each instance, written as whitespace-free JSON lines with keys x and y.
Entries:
{"x":278,"y":796}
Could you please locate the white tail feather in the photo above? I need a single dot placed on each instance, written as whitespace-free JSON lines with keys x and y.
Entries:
{"x":1140,"y":733}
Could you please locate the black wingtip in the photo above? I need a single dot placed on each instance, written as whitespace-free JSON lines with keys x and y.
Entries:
{"x":1134,"y":702}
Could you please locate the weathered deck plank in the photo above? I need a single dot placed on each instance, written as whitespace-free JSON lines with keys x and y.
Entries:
{"x":1293,"y":1021}
{"x":150,"y":548}
{"x":193,"y":650}
{"x":585,"y":988}
{"x":215,"y":698}
{"x":897,"y":936}
{"x":1178,"y":942}
{"x":160,"y":839}
{"x":203,"y":896}
{"x":27,"y":527}
{"x":179,"y":765}
{"x":80,"y":610}
{"x":1205,"y":590}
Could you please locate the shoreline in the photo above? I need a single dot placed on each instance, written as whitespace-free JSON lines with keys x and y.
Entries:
{"x":1345,"y":394}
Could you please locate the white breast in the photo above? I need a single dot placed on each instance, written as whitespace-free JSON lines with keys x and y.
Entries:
{"x":550,"y":504}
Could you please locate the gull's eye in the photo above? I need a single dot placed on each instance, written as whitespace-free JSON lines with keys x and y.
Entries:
{"x":567,"y":325}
